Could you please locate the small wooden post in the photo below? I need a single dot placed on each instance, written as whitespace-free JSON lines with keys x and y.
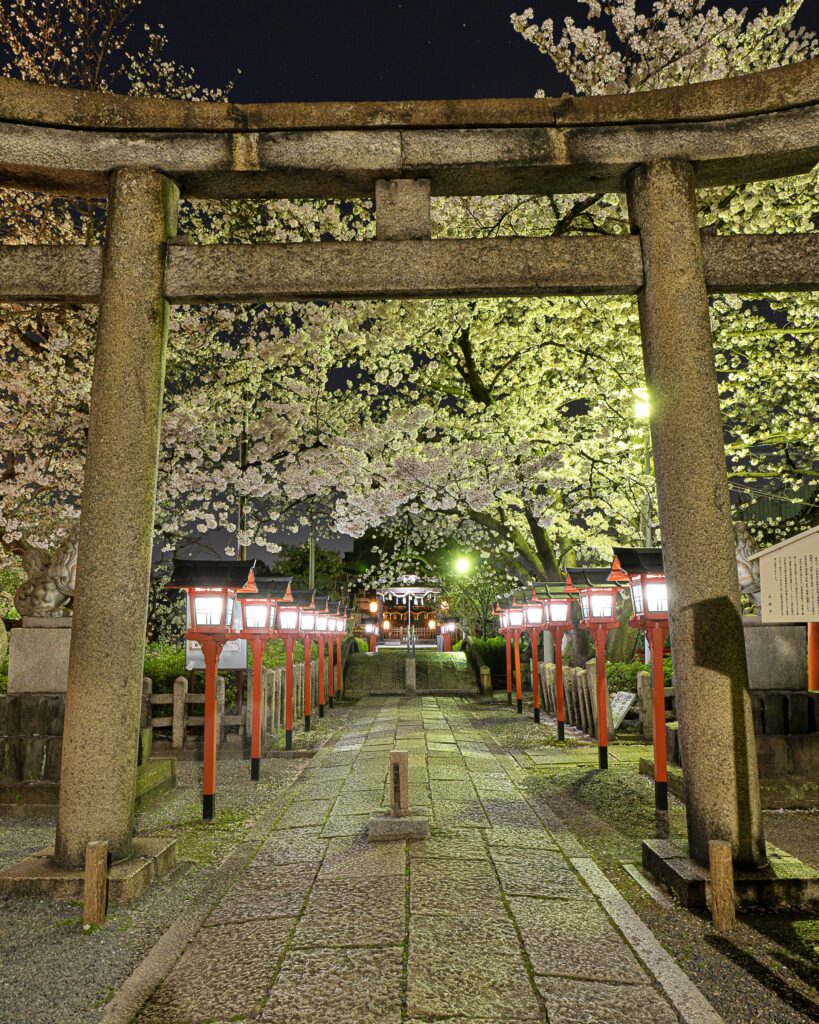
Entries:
{"x":95,"y":889}
{"x":399,"y":783}
{"x":723,"y":912}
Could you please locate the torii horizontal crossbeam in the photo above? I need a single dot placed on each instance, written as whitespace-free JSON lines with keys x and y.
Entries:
{"x":437,"y":268}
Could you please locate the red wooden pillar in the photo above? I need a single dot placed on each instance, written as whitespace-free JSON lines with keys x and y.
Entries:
{"x":657,"y":632}
{"x":211,"y":649}
{"x":561,"y":705}
{"x":518,"y":679}
{"x":308,"y":681}
{"x":600,"y":634}
{"x":257,"y":645}
{"x":339,"y":680}
{"x":447,"y":642}
{"x":533,"y":638}
{"x":289,"y":642}
{"x":813,"y":657}
{"x":320,"y":640}
{"x":508,"y":638}
{"x":330,"y":681}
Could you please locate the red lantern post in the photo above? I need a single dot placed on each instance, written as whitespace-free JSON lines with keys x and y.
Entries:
{"x":643,"y":568}
{"x":559,"y":622}
{"x":258,"y":627}
{"x":288,"y":630}
{"x":502,"y":611}
{"x":535,"y":616}
{"x":598,"y":603}
{"x":321,"y":632}
{"x":516,"y":625}
{"x":341,"y":629}
{"x":211,"y":587}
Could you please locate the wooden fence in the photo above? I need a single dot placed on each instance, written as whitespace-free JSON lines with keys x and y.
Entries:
{"x":183,"y":713}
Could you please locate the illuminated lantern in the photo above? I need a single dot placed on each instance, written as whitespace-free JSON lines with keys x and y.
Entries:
{"x":448,"y":627}
{"x":643,"y":568}
{"x":258,"y":627}
{"x":211,"y":588}
{"x":558,"y":620}
{"x":370,"y":627}
{"x":598,"y":604}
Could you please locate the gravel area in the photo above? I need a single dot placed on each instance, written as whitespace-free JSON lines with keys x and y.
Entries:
{"x":52,"y":972}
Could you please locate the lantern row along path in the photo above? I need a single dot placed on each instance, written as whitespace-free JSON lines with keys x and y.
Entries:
{"x":491,"y":919}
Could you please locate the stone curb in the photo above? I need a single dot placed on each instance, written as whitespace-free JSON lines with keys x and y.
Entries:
{"x":151,"y":971}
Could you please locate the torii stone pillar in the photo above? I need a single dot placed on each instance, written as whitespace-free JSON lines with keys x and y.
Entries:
{"x":116,"y":524}
{"x":710,"y":671}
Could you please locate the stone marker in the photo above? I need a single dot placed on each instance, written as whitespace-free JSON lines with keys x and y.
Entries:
{"x":95,"y":889}
{"x":399,"y":785}
{"x":38,"y":655}
{"x":397,"y":823}
{"x":621,"y":703}
{"x":723,"y":912}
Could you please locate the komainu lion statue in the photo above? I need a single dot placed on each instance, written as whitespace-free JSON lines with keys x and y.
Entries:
{"x":49,"y":589}
{"x":747,"y":570}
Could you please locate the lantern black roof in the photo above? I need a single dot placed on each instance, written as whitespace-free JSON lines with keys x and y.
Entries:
{"x":590,"y":576}
{"x":637,"y":560}
{"x":451,"y":618}
{"x":210,"y":573}
{"x":503,"y":603}
{"x":322,"y":602}
{"x":368,"y":620}
{"x":304,"y":598}
{"x":275,"y":587}
{"x":549,"y":588}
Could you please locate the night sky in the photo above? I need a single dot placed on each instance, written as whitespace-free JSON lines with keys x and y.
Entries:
{"x":369,"y":49}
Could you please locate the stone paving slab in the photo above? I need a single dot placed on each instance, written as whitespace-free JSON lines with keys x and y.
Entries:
{"x":451,"y":844}
{"x":225,"y":973}
{"x":562,"y":938}
{"x":472,"y":972}
{"x":590,"y":1002}
{"x":305,"y":812}
{"x":292,"y":847}
{"x":355,"y":857}
{"x":537,"y":873}
{"x":353,"y":912}
{"x":337,"y":985}
{"x":265,"y":891}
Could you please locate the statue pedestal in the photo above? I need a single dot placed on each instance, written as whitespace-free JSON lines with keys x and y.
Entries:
{"x":777,"y":655}
{"x":38,"y":655}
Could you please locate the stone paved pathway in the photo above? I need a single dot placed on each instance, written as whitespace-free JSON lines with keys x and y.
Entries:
{"x":486,"y":921}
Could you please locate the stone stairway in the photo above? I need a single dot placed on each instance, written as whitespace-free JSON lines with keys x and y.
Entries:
{"x":444,"y":673}
{"x":384,"y":673}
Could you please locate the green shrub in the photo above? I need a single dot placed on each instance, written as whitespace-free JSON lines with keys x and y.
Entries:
{"x":362,"y":644}
{"x":163,"y":663}
{"x":623,"y":675}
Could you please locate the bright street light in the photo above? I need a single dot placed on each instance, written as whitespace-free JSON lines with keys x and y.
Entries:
{"x":462,"y":565}
{"x":642,"y":405}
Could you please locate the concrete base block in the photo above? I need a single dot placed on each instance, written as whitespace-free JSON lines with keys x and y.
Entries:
{"x":383,"y":828}
{"x":38,"y":657}
{"x":785,"y":882}
{"x":777,"y":655}
{"x":39,"y":876}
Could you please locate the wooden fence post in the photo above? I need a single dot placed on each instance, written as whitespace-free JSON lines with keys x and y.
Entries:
{"x":723,"y":910}
{"x":95,"y":887}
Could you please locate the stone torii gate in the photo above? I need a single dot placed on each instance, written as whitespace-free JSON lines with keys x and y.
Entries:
{"x":657,"y":147}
